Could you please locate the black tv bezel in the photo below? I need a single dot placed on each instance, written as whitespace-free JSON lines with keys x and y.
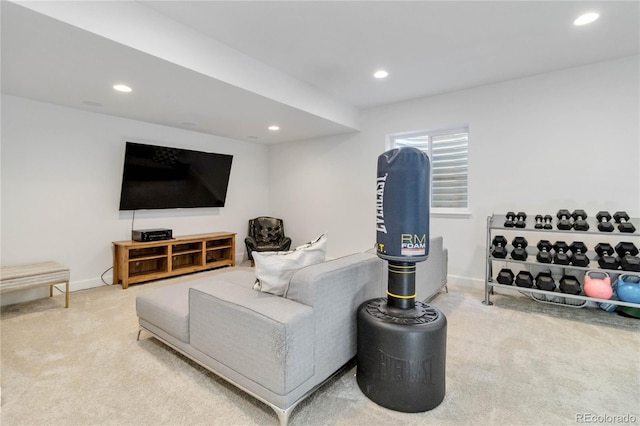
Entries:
{"x":227,"y":161}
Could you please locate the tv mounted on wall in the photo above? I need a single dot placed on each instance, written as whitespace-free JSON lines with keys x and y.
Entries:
{"x":159,"y":177}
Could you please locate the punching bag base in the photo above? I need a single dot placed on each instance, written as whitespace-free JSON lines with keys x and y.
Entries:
{"x":401,"y":355}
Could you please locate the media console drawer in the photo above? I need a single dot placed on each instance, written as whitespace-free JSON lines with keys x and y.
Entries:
{"x":135,"y":262}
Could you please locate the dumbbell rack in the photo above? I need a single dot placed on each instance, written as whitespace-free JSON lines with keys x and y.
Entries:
{"x":495,"y":225}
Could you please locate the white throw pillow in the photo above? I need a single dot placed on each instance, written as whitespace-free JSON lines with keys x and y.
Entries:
{"x":274,"y":269}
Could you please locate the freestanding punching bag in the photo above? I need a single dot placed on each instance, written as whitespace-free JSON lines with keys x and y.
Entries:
{"x":401,"y":341}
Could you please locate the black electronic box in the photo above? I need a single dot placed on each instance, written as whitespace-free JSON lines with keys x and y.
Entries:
{"x":145,"y":235}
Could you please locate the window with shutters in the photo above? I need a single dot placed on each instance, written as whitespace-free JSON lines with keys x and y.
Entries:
{"x":448,"y":154}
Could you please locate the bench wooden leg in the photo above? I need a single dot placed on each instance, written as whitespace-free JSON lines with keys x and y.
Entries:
{"x":66,"y":293}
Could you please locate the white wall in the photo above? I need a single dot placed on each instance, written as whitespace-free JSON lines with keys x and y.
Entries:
{"x":567,"y":139}
{"x":61,"y":176}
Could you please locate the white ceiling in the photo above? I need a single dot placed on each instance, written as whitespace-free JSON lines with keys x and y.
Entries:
{"x":306,"y":66}
{"x":429,"y":47}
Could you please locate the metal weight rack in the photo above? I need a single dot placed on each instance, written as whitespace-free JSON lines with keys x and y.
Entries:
{"x":495,"y":225}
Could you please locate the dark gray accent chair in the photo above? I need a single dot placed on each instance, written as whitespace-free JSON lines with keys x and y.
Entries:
{"x":266,"y":234}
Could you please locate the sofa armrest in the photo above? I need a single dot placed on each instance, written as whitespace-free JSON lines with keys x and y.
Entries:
{"x":251,"y":242}
{"x":431,"y":275}
{"x":266,"y":338}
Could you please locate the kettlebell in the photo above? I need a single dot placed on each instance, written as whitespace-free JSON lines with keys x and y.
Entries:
{"x":629,"y":288}
{"x":597,"y":284}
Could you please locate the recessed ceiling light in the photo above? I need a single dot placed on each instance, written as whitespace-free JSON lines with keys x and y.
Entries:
{"x":587,"y":18}
{"x":274,"y":128}
{"x":381,"y":74}
{"x":122,"y":88}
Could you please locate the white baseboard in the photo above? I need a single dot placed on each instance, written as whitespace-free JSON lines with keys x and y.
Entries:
{"x":465,"y":281}
{"x":87,"y":284}
{"x":33,"y":294}
{"x":20,"y":296}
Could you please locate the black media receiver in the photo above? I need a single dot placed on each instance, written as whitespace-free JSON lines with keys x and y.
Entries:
{"x":144,"y":235}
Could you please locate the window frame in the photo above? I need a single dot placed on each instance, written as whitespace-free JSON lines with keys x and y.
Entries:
{"x":430,"y":134}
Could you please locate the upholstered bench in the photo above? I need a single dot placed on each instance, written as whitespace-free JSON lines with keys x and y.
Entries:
{"x":32,"y":275}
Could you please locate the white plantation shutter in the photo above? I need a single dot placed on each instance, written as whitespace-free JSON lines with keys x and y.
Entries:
{"x":449,"y":170}
{"x":448,"y":152}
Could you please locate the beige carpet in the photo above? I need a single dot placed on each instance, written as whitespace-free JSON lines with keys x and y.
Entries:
{"x":516,"y":363}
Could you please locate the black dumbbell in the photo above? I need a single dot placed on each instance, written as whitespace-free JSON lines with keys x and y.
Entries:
{"x":544,"y":253}
{"x":562,"y":253}
{"x":547,"y":222}
{"x":510,"y":222}
{"x":580,"y":220}
{"x":544,"y":281}
{"x":521,"y":222}
{"x":622,"y":218}
{"x":505,"y":276}
{"x":570,"y":285}
{"x":606,"y":260}
{"x":519,"y":251}
{"x":524,"y":279}
{"x":604,"y":224}
{"x":627,"y":256}
{"x":499,"y":249}
{"x":539,"y":220}
{"x":564,"y":221}
{"x":579,"y":250}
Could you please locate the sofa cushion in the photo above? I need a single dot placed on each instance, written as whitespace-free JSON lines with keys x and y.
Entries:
{"x":167,"y":308}
{"x":274,"y":269}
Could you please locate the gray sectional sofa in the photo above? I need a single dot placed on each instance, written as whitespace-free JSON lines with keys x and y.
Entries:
{"x":278,"y":349}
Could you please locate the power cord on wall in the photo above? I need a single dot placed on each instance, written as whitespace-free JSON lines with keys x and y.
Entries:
{"x":102,"y":276}
{"x":133,"y":218}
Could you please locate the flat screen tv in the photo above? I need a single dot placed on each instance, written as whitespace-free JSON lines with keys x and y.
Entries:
{"x":158,"y":177}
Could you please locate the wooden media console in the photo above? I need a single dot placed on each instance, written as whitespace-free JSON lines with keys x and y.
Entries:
{"x":135,"y":262}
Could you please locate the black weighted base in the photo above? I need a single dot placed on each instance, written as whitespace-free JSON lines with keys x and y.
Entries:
{"x":401,"y":355}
